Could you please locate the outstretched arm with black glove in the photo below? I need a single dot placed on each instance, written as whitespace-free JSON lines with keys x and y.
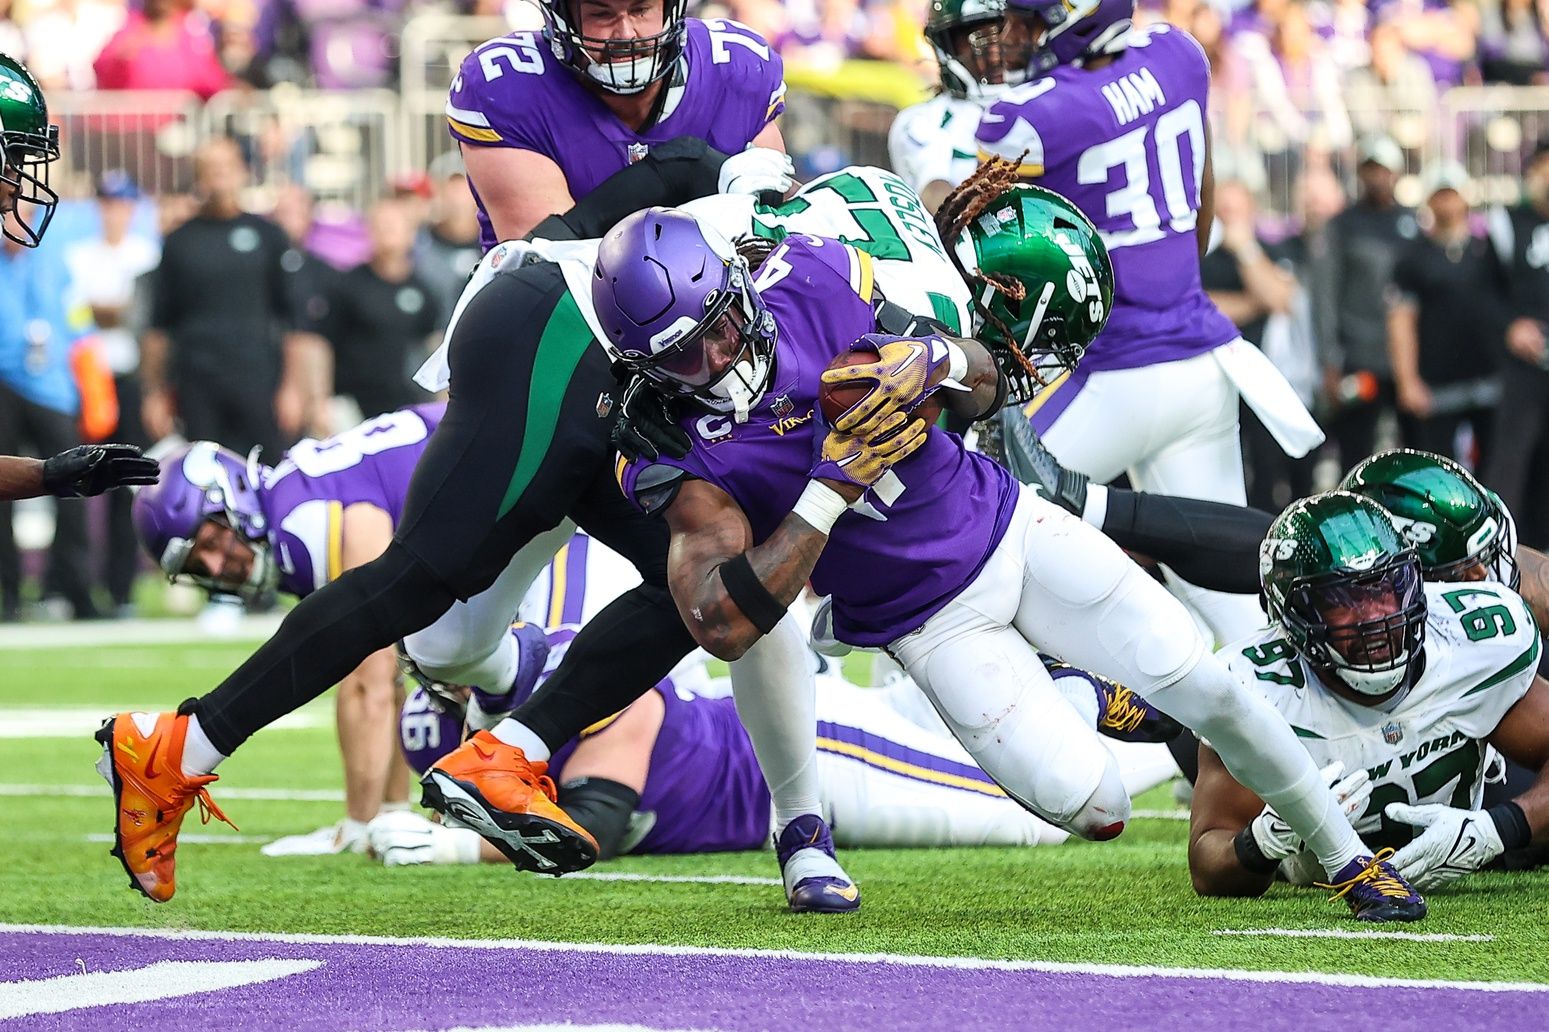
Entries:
{"x":1211,"y":544}
{"x":80,"y":472}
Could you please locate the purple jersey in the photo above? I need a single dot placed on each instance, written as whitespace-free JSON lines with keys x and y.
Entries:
{"x":703,"y":784}
{"x":1126,"y":144}
{"x":915,"y":540}
{"x":305,"y":496}
{"x":511,"y":92}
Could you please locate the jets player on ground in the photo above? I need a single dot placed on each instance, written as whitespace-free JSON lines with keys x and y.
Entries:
{"x":1115,"y":120}
{"x":543,"y":118}
{"x":931,"y":145}
{"x":1403,"y":684}
{"x":960,"y":578}
{"x":231,"y":525}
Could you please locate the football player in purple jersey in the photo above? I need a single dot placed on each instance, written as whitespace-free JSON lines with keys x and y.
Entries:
{"x":929,"y":550}
{"x":544,"y":117}
{"x":1114,"y":119}
{"x":233,"y":526}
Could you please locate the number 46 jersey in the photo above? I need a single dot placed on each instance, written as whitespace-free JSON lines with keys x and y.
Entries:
{"x":1126,"y":144}
{"x":1481,"y":654}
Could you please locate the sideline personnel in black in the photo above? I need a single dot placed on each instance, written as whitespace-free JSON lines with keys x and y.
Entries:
{"x":212,"y":356}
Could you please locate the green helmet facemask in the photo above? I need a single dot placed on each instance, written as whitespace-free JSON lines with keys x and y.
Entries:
{"x":1458,"y":526}
{"x":29,"y":144}
{"x":1347,"y":590}
{"x":1042,"y":282}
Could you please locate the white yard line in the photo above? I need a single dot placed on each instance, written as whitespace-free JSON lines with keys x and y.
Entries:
{"x":82,"y":721}
{"x":688,"y":879}
{"x":905,"y":960}
{"x":1160,"y":815}
{"x":1347,"y":933}
{"x":159,"y":981}
{"x":133,"y":632}
{"x":283,"y":795}
{"x":198,"y":839}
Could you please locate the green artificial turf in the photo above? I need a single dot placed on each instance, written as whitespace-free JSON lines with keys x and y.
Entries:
{"x":1124,"y":902}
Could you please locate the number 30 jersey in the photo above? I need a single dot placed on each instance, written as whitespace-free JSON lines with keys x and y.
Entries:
{"x":1126,"y":144}
{"x":1481,"y":653}
{"x":305,"y":496}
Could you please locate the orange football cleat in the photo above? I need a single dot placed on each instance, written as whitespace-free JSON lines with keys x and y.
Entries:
{"x":152,"y":795}
{"x":494,"y":789}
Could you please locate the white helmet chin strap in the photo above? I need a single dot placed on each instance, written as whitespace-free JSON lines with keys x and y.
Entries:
{"x":1372,"y":682}
{"x":626,"y":77}
{"x":741,"y":388}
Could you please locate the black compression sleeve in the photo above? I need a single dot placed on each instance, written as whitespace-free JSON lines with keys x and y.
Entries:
{"x":761,"y":608}
{"x":322,"y":640}
{"x":618,"y":656}
{"x":1210,"y":544}
{"x":602,"y":807}
{"x":673,"y":173}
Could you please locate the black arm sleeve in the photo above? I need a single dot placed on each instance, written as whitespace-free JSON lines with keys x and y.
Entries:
{"x":1211,"y":544}
{"x":677,"y":171}
{"x":602,"y":807}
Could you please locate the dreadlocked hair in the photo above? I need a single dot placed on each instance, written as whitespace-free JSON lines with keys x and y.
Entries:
{"x":754,"y":249}
{"x":990,"y":181}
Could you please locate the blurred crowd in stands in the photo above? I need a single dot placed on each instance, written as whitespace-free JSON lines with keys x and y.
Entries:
{"x":1404,"y":301}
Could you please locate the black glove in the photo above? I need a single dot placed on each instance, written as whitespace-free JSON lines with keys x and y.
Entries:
{"x":1031,"y":463}
{"x":647,"y":424}
{"x":90,"y":469}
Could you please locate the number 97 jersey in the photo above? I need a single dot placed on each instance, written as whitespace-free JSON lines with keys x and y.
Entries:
{"x":1126,"y":144}
{"x":1481,"y":654}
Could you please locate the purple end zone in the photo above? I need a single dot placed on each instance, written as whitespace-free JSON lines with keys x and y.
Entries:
{"x":412,"y":986}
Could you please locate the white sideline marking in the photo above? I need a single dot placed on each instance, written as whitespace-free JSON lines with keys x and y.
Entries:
{"x":133,"y":632}
{"x":1161,"y":815}
{"x":902,"y":960}
{"x":197,"y":839}
{"x":155,"y":982}
{"x":695,"y":879}
{"x":283,"y":795}
{"x":566,"y":1028}
{"x":1343,"y":933}
{"x":55,"y":722}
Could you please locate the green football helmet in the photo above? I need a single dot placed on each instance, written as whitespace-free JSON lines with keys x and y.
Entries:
{"x":1043,"y":283}
{"x":29,"y":144}
{"x":1458,"y":526}
{"x":966,"y":37}
{"x":1347,"y":590}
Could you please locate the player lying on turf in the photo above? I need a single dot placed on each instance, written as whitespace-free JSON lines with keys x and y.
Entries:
{"x":961,"y":578}
{"x":234,"y":526}
{"x":679,"y":759}
{"x":1398,"y":686}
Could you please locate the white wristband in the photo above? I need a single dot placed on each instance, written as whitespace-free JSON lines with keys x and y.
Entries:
{"x":820,"y":506}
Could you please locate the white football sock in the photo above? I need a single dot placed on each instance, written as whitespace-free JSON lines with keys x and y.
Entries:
{"x":1078,"y":691}
{"x":1260,"y":750}
{"x":776,"y":700}
{"x":199,"y":755}
{"x":513,"y":732}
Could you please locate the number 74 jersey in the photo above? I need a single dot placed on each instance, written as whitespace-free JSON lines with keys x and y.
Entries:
{"x":1127,"y":145}
{"x":1481,"y":653}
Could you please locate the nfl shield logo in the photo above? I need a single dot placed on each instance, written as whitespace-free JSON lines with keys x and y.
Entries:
{"x":638,"y":151}
{"x":1392,"y":733}
{"x":604,"y":404}
{"x":783,"y":406}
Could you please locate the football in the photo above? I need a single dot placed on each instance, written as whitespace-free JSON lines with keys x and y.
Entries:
{"x":835,"y":399}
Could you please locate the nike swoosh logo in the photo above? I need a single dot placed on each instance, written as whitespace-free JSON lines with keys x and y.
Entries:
{"x":916,"y":352}
{"x":150,"y":759}
{"x":849,"y":893}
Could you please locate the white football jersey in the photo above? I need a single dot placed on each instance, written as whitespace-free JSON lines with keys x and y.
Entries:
{"x":1481,"y":654}
{"x":872,"y":210}
{"x":933,"y":141}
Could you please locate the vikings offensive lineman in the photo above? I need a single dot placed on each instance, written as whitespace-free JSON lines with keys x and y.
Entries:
{"x":1402,"y":683}
{"x":1115,"y":120}
{"x":544,"y":118}
{"x":931,"y":144}
{"x":961,"y":578}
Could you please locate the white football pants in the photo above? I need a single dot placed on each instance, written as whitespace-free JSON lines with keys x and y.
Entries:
{"x":1056,"y":585}
{"x":1173,"y":428}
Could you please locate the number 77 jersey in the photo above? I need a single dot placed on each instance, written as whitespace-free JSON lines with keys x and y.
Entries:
{"x":1126,"y":143}
{"x":1481,"y":654}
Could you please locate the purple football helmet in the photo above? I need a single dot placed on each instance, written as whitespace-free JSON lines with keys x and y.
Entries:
{"x":1073,"y":31}
{"x":617,"y":65}
{"x":425,"y":732}
{"x":202,"y":482}
{"x":677,"y":305}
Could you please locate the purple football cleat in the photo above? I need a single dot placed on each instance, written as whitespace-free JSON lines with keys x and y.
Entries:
{"x":814,"y":881}
{"x":1121,"y":714}
{"x":1375,"y":891}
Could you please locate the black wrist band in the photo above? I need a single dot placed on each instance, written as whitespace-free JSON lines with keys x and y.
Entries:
{"x":1511,"y":824}
{"x":1250,"y":856}
{"x":745,"y":589}
{"x":1002,"y":388}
